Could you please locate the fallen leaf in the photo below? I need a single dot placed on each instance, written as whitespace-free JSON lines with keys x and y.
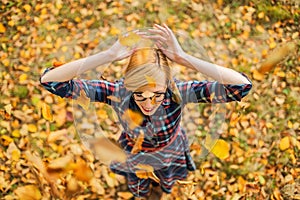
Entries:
{"x":125,"y":195}
{"x":284,"y":143}
{"x":60,"y":163}
{"x":28,"y":192}
{"x":46,"y":112}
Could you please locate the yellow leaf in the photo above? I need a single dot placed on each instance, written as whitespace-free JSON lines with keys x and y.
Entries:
{"x":46,"y":112}
{"x":284,"y":143}
{"x":260,"y":28}
{"x":27,"y":8}
{"x":133,"y":118}
{"x":151,"y":81}
{"x":6,"y":140}
{"x":5,"y":61}
{"x":32,"y":128}
{"x":102,"y":114}
{"x":83,"y":100}
{"x":114,"y":31}
{"x":129,"y":39}
{"x":2,"y":28}
{"x":15,"y":155}
{"x":257,"y":75}
{"x":23,"y":78}
{"x":28,"y":192}
{"x":221,"y":149}
{"x":138,"y":144}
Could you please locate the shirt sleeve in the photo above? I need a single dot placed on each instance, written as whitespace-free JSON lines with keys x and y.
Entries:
{"x":212,"y":91}
{"x":95,"y":90}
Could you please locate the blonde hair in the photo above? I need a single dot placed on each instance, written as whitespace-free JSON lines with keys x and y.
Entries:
{"x":153,"y":63}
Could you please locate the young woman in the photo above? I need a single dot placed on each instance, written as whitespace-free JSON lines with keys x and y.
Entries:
{"x":149,"y":90}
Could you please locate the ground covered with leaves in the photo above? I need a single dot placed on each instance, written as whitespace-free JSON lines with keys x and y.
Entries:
{"x":41,"y":155}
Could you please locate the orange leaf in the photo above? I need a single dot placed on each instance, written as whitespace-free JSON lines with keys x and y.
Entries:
{"x":138,"y":144}
{"x":276,"y":56}
{"x":133,"y":118}
{"x":83,"y":172}
{"x":57,"y":63}
{"x":146,"y":171}
{"x":151,"y":81}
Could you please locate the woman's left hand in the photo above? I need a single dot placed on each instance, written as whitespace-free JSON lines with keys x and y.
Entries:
{"x":165,"y":40}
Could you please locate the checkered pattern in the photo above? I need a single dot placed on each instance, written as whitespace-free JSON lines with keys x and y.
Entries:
{"x":165,"y":146}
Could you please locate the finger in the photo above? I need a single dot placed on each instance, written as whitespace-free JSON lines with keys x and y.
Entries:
{"x":162,"y":28}
{"x":168,"y":30}
{"x":156,"y":38}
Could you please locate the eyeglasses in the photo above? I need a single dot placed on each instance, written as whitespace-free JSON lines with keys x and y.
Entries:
{"x":157,"y":97}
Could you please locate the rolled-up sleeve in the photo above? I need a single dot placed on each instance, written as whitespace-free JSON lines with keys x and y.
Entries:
{"x":96,"y":90}
{"x":212,"y":91}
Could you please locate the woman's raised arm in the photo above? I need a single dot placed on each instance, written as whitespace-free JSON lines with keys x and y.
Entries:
{"x":69,"y":70}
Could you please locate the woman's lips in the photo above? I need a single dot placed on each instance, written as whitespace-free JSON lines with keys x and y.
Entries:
{"x":147,"y":109}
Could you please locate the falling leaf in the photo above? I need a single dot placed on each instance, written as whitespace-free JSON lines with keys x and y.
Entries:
{"x":114,"y":98}
{"x":57,"y":63}
{"x":218,"y":147}
{"x":133,"y":118}
{"x":129,"y":39}
{"x":46,"y":112}
{"x":276,"y":56}
{"x":83,"y":100}
{"x":28,"y":192}
{"x":151,"y":81}
{"x":82,"y":171}
{"x":284,"y":143}
{"x":106,"y":151}
{"x":146,"y":171}
{"x":138,"y":144}
{"x":221,"y":149}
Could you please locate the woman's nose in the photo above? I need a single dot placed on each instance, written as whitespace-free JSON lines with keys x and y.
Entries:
{"x":148,"y":102}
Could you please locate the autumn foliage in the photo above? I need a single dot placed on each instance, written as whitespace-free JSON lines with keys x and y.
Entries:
{"x":256,"y":155}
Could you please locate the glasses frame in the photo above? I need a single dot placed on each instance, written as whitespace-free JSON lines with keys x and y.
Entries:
{"x":145,"y":98}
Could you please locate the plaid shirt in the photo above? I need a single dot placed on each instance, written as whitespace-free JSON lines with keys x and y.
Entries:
{"x":165,"y":146}
{"x":160,"y":127}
